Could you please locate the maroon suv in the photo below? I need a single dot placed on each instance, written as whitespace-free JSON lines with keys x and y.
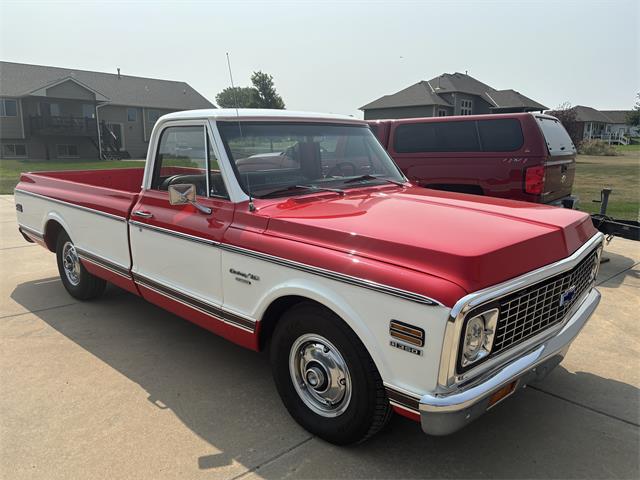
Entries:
{"x":522,"y":156}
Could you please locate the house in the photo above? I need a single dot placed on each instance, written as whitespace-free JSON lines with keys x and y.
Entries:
{"x":449,"y":94}
{"x":607,"y":125}
{"x":51,"y":112}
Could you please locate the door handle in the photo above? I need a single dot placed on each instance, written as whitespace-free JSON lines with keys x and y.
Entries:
{"x":142,"y":214}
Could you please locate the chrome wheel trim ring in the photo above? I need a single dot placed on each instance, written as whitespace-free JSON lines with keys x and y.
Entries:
{"x":71,"y":263}
{"x":320,"y":375}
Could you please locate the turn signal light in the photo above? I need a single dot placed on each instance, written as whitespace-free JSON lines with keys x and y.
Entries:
{"x":534,"y":180}
{"x":503,"y":393}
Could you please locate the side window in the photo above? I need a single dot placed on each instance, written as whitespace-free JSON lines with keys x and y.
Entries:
{"x":437,"y":137}
{"x":503,"y":135}
{"x":181,"y":158}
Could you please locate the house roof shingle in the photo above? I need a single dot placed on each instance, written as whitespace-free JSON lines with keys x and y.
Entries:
{"x":511,"y":98}
{"x":20,"y":79}
{"x":417,"y":94}
{"x":428,"y":93}
{"x":617,"y":116}
{"x":588,"y":114}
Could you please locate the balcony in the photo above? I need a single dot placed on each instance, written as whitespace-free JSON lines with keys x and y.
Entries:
{"x":71,"y":126}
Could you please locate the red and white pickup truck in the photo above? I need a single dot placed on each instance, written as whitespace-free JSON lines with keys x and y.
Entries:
{"x":371,"y":294}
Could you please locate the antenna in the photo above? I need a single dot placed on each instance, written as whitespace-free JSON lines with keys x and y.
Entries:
{"x":233,"y":89}
{"x":252,"y":207}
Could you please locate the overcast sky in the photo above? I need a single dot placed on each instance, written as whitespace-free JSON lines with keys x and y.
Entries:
{"x":336,"y":56}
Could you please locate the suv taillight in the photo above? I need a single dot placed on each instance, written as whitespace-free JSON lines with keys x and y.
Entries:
{"x":534,"y":180}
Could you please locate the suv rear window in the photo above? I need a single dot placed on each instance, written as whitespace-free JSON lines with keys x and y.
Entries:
{"x":557,"y":138}
{"x":491,"y":135}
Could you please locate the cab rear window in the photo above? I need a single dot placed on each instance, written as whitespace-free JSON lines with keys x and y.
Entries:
{"x":491,"y":135}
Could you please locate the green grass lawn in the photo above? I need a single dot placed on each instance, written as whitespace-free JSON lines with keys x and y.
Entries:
{"x":10,"y":170}
{"x":627,"y":149}
{"x":620,"y":173}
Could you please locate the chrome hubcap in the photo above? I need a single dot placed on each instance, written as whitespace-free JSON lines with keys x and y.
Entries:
{"x":71,"y":263}
{"x":320,"y":375}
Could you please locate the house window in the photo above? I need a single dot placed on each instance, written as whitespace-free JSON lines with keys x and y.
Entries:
{"x":132,"y":114}
{"x":152,"y":117}
{"x":442,"y":112}
{"x":54,"y":109}
{"x":466,"y":107}
{"x":15,"y":150}
{"x":67,"y":151}
{"x":8,"y":108}
{"x":88,"y":111}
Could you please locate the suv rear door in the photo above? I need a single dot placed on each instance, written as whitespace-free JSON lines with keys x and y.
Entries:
{"x":560,"y":165}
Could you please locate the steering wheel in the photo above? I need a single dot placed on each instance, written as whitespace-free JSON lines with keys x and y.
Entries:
{"x":169,"y":181}
{"x":338,"y":169}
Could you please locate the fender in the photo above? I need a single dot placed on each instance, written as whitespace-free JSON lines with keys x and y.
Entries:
{"x":53,"y":215}
{"x":331,"y":299}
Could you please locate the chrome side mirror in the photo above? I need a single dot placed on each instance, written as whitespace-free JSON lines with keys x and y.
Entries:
{"x":185,"y":193}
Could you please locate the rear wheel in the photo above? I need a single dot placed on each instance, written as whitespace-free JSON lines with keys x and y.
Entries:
{"x":325,"y":377}
{"x":76,"y":279}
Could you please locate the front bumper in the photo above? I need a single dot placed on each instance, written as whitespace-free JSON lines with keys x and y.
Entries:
{"x":442,"y":414}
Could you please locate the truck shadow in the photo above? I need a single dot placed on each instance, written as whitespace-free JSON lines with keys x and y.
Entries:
{"x":616,"y":269}
{"x":225,"y":395}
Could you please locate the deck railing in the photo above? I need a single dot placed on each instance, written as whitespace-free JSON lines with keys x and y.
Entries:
{"x":49,"y":125}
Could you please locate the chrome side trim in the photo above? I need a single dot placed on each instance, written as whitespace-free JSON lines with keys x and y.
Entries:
{"x":73,"y":205}
{"x":340,"y":277}
{"x":104,"y":263}
{"x":209,"y":309}
{"x":447,"y":376}
{"x":31,"y":231}
{"x":174,"y":233}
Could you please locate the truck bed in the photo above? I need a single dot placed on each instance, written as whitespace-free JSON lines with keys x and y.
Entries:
{"x":109,"y":191}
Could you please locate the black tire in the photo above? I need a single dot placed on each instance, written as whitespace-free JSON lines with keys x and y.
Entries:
{"x":368,"y":409}
{"x":87,"y":286}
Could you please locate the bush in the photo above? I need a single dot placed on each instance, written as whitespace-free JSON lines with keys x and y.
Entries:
{"x":596,"y":147}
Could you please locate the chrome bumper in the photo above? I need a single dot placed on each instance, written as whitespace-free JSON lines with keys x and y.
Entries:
{"x":442,"y":414}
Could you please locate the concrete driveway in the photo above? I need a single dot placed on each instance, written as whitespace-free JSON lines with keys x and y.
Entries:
{"x":117,"y":388}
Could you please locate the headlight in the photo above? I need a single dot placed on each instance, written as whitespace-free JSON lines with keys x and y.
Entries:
{"x":478,"y":337}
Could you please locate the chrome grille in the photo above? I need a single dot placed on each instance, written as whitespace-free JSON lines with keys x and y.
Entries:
{"x":528,"y":312}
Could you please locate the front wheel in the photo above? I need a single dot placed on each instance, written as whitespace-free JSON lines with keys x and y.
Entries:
{"x":325,"y":377}
{"x":76,"y":279}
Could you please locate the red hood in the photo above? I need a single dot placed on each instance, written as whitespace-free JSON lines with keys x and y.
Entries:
{"x":472,"y":241}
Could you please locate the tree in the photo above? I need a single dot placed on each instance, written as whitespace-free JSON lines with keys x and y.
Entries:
{"x":238,"y":97}
{"x":267,"y":95}
{"x":633,"y":117}
{"x":568,"y":117}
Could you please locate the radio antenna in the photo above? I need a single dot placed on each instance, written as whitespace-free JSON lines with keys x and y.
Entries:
{"x":252,"y":207}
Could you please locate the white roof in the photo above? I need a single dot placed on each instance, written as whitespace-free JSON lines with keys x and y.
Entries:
{"x":247,"y":114}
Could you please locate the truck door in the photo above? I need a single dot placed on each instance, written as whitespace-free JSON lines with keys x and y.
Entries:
{"x":174,"y":248}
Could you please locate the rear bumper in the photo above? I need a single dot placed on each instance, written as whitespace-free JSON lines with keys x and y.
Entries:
{"x":442,"y":414}
{"x":570,"y":201}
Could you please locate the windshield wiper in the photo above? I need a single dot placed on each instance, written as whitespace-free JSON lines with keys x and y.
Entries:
{"x":363,"y":178}
{"x":311,"y":188}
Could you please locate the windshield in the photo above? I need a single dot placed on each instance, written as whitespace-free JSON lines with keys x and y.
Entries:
{"x":277,"y":159}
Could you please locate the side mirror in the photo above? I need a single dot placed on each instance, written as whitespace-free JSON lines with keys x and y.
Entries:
{"x":185,"y":193}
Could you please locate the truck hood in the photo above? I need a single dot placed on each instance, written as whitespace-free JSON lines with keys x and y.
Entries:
{"x":470,"y":240}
